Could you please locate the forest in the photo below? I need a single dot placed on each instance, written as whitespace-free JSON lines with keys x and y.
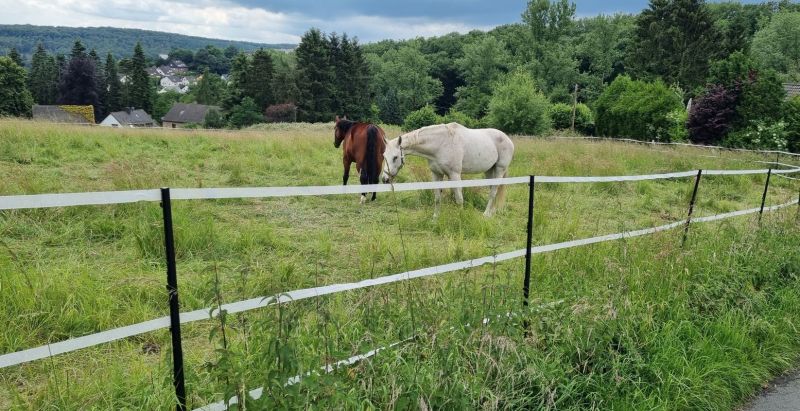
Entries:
{"x":680,"y":70}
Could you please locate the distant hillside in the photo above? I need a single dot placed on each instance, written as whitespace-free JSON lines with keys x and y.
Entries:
{"x":118,"y":41}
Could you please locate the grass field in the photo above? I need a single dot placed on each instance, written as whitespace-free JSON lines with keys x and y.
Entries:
{"x":640,"y":324}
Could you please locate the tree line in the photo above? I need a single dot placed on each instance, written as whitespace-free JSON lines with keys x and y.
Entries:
{"x":679,"y":70}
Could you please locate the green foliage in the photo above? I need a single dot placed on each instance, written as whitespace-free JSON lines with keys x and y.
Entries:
{"x":674,"y":41}
{"x":163,"y":104}
{"x":315,"y":77}
{"x":43,"y":77}
{"x":636,"y":109}
{"x":791,"y":116}
{"x":677,"y":125}
{"x":518,"y":107}
{"x":547,"y":20}
{"x":759,"y":135}
{"x":426,"y":116}
{"x":561,"y":115}
{"x":214,"y":119}
{"x":79,"y":84}
{"x":113,"y":96}
{"x":403,"y":78}
{"x":602,"y":46}
{"x":777,"y":46}
{"x":761,"y":99}
{"x":15,"y":99}
{"x":139,"y":92}
{"x":484,"y":63}
{"x":245,"y":114}
{"x":455,"y":116}
{"x":210,"y":89}
{"x":13,"y":54}
{"x":259,"y":79}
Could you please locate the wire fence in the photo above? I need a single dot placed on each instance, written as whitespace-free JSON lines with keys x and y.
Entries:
{"x":176,"y":318}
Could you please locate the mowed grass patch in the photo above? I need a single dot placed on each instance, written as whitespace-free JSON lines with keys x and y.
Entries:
{"x":74,"y":271}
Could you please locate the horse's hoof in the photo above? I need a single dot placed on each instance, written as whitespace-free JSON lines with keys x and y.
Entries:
{"x":363,"y":200}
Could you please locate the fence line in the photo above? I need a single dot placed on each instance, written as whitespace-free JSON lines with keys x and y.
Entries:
{"x":32,"y":201}
{"x":91,"y":340}
{"x":630,"y":140}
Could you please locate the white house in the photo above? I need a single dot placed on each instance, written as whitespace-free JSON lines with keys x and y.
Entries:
{"x":179,"y":84}
{"x":128,"y":118}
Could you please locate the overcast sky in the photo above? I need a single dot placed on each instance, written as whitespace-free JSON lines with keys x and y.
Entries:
{"x":284,"y":21}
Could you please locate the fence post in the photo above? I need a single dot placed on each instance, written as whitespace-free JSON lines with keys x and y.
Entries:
{"x":174,"y":308}
{"x":764,"y":196}
{"x":526,"y":285}
{"x":691,"y":206}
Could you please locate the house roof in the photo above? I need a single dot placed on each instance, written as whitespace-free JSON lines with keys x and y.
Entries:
{"x":792,"y":89}
{"x":134,"y":118}
{"x":57,"y":114}
{"x":187,"y":113}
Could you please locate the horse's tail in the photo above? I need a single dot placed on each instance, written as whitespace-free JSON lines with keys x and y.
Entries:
{"x":500,"y":198}
{"x":371,"y":160}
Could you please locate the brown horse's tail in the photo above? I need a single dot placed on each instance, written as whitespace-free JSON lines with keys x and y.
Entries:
{"x":371,"y":160}
{"x":500,"y":199}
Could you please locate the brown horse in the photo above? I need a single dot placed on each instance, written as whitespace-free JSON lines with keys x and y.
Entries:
{"x":363,"y":144}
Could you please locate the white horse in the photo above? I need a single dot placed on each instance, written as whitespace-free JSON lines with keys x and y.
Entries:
{"x":453,"y":150}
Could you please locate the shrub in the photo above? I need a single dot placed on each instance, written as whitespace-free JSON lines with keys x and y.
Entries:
{"x":760,"y":134}
{"x":561,"y":115}
{"x":792,"y":118}
{"x":677,"y":129}
{"x":713,"y":115}
{"x":455,"y":116}
{"x":518,"y":107}
{"x":214,"y":119}
{"x":425,"y":116}
{"x":636,"y":109}
{"x":245,"y":114}
{"x":281,"y":113}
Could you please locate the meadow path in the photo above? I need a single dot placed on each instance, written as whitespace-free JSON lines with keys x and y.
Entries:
{"x":782,"y":395}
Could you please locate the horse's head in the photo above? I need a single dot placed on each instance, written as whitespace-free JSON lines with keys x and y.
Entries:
{"x":340,"y":128}
{"x":393,"y":159}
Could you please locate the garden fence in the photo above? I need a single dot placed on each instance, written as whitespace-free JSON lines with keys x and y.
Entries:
{"x":176,"y":318}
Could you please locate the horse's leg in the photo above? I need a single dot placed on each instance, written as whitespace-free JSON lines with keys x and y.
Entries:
{"x":437,"y":193}
{"x":493,"y":172}
{"x":346,"y":175}
{"x":364,"y":181}
{"x":457,"y":191}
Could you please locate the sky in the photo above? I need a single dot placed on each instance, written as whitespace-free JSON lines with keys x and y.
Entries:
{"x":284,"y":21}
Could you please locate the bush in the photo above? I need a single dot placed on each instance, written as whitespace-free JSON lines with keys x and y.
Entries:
{"x":677,"y":130}
{"x":636,"y":109}
{"x":713,"y":115}
{"x":518,"y":107}
{"x":760,"y":135}
{"x":791,"y":116}
{"x":455,"y":116}
{"x":425,"y":116}
{"x":214,"y":119}
{"x":281,"y":113}
{"x":561,"y":115}
{"x":245,"y":114}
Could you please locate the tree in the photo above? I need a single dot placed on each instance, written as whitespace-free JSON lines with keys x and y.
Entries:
{"x":140,"y":91}
{"x":674,"y":40}
{"x":404,"y":78}
{"x":79,"y":84}
{"x":78,"y":50}
{"x":258,"y":83}
{"x":245,"y":114}
{"x":284,"y":81}
{"x":43,"y":78}
{"x":315,"y":78}
{"x":164,"y":102}
{"x":113,"y":97}
{"x":214,"y":119}
{"x":602,"y":44}
{"x":713,"y":114}
{"x":426,"y":116}
{"x":15,"y":99}
{"x":13,"y":54}
{"x":518,"y":107}
{"x":484,"y":63}
{"x":210,"y":89}
{"x":548,"y":21}
{"x":353,"y":80}
{"x":792,"y":118}
{"x":777,"y":46}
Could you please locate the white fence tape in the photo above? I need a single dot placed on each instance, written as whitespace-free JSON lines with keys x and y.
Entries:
{"x":87,"y":341}
{"x":659,"y":143}
{"x":77,"y":199}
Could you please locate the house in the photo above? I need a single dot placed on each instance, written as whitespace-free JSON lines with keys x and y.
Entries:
{"x":182,"y":114}
{"x":64,"y":114}
{"x":792,"y":90}
{"x":179,"y":84}
{"x":128,"y":118}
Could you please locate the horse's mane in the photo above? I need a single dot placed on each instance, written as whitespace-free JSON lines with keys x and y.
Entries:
{"x":414,"y":137}
{"x":345,"y":125}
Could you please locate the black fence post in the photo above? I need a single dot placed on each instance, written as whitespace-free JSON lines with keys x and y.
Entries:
{"x":691,"y":206}
{"x":174,"y":307}
{"x":764,"y":196}
{"x":526,"y":285}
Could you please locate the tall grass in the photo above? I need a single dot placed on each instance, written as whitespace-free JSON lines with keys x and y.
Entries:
{"x":643,"y":324}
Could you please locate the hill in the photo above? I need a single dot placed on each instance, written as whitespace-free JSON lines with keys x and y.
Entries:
{"x":118,"y":41}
